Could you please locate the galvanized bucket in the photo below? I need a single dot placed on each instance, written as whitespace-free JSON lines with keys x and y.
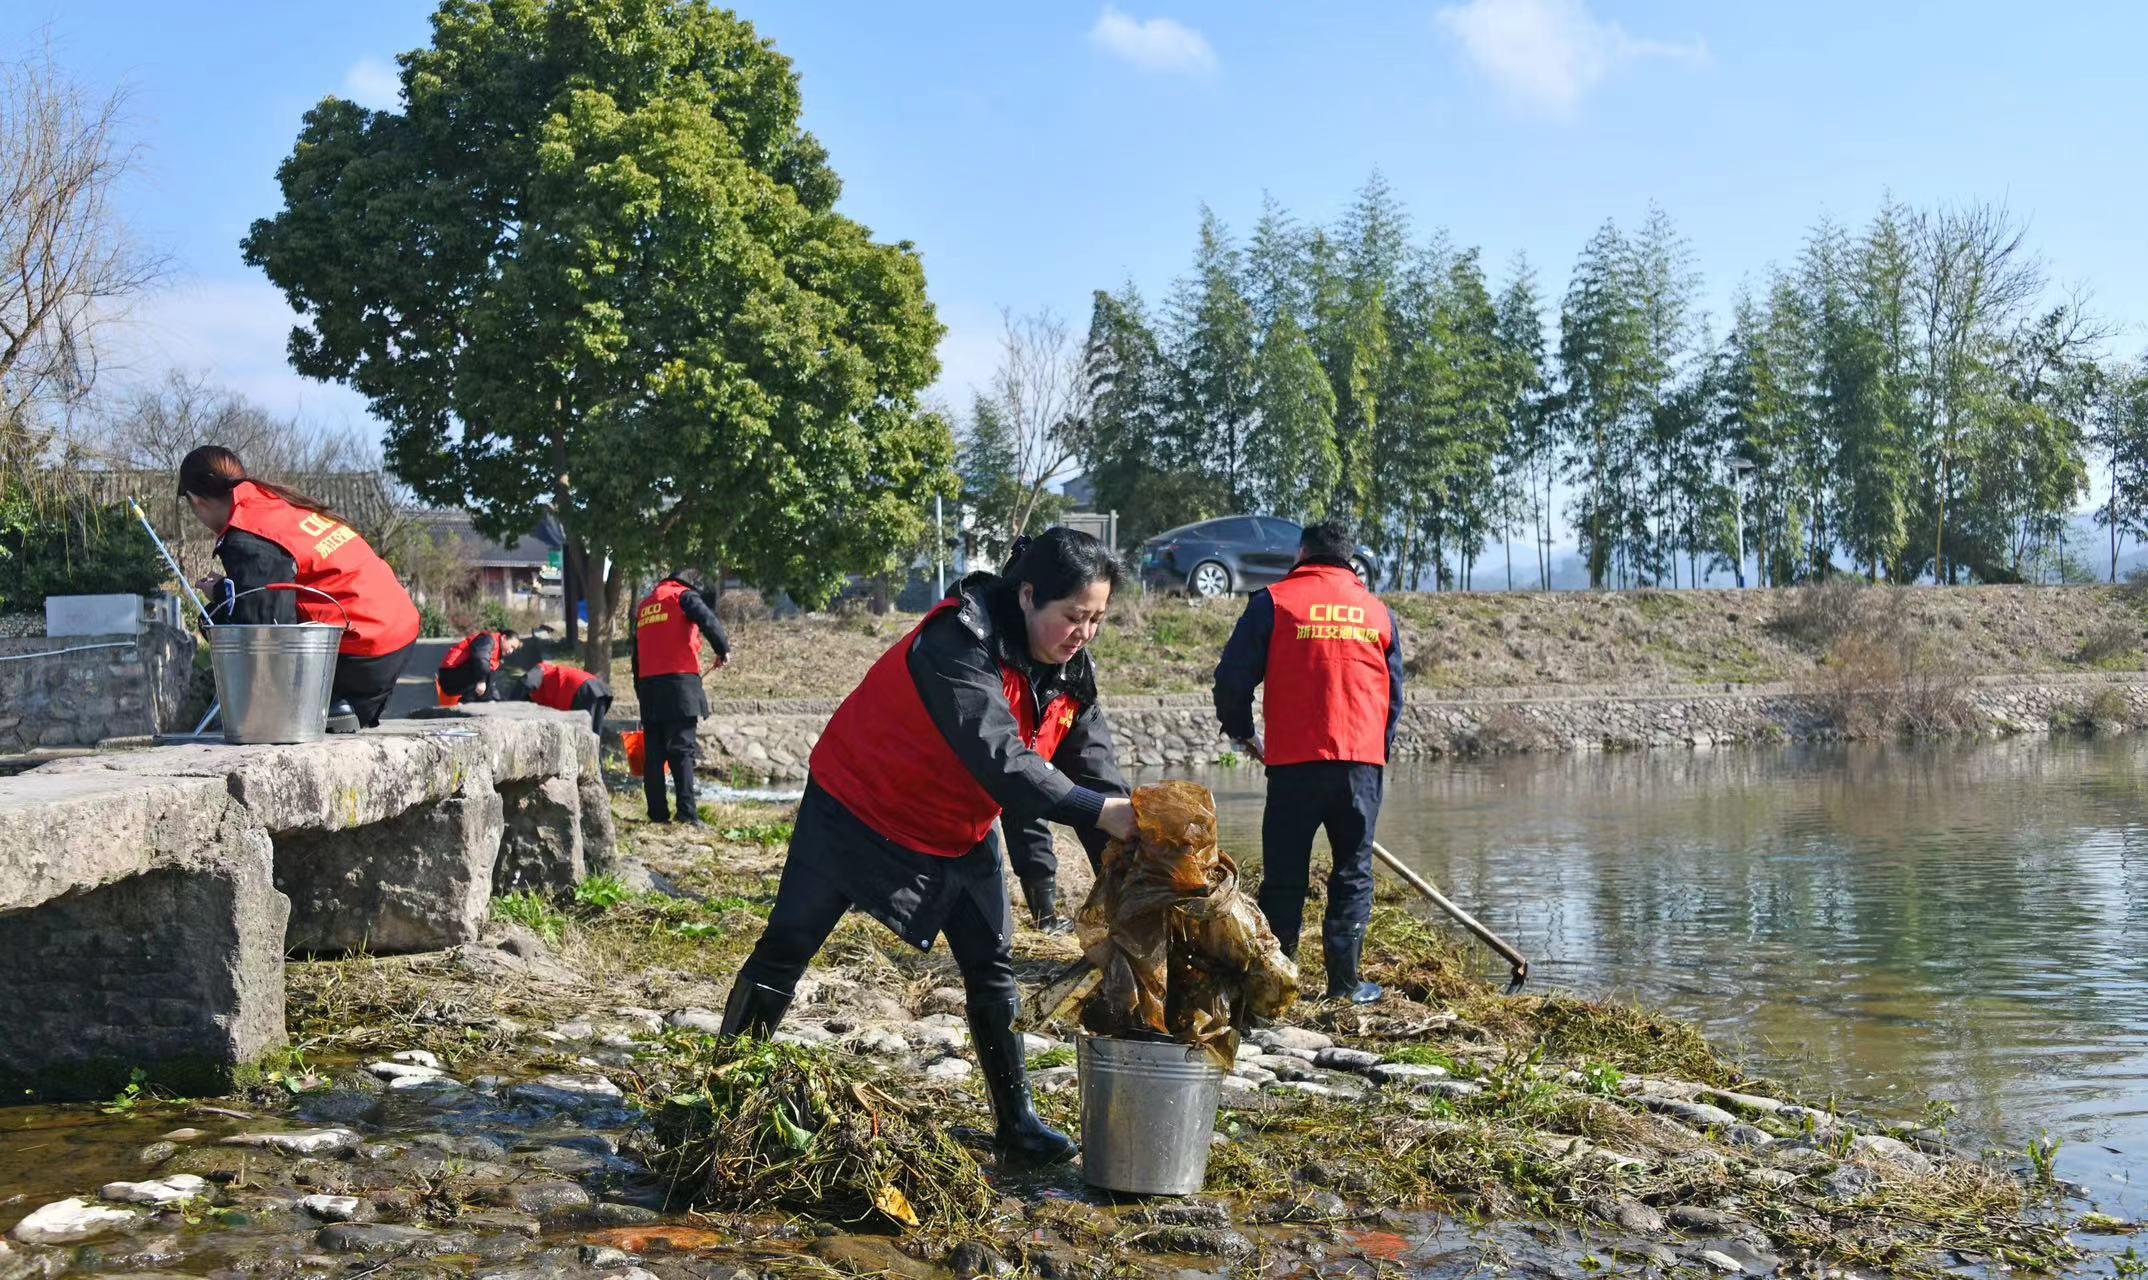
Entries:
{"x":1148,"y":1112}
{"x":273,"y":682}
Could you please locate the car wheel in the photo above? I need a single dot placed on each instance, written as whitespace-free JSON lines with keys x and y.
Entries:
{"x":1363,"y":572}
{"x":1209,"y":579}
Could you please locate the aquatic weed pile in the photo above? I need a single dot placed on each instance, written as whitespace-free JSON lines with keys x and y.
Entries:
{"x":748,"y":1125}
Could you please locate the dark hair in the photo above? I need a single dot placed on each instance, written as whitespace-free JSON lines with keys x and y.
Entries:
{"x":212,"y":471}
{"x":508,"y":633}
{"x":1329,"y":540}
{"x":1056,"y":564}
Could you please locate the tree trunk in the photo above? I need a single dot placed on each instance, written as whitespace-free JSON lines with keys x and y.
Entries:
{"x":600,"y":592}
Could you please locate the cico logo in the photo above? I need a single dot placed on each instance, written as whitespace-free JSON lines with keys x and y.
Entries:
{"x":1350,"y":613}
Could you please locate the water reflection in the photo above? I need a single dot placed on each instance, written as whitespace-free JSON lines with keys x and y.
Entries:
{"x":1964,"y":922}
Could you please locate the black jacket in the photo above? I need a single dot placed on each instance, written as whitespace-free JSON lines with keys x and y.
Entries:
{"x":252,"y":561}
{"x":476,"y":665}
{"x":1245,"y":664}
{"x":956,"y":664}
{"x":680,"y":696}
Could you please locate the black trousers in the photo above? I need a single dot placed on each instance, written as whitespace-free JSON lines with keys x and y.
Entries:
{"x":813,"y":895}
{"x":368,"y":683}
{"x":669,"y":743}
{"x":1303,"y":798}
{"x":458,"y":680}
{"x":598,"y":707}
{"x":1029,"y":850}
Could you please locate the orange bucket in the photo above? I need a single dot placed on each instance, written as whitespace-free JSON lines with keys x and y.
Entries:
{"x":446,"y":699}
{"x":636,"y":755}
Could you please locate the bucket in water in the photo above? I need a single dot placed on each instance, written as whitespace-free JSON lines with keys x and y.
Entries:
{"x":1148,"y":1111}
{"x":273,"y":681}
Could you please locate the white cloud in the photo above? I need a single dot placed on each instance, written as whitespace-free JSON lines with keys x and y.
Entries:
{"x":373,"y":84}
{"x":234,"y":330}
{"x":1550,"y":53}
{"x":1157,"y":44}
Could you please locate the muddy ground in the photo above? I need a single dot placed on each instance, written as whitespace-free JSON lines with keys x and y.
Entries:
{"x":486,"y":1113}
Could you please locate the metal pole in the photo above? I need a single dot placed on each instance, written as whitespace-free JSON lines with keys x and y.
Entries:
{"x":1739,"y":484}
{"x":1515,"y":961}
{"x":939,"y":546}
{"x":187,"y":587}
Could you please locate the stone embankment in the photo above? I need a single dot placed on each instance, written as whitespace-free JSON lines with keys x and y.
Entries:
{"x":148,"y":898}
{"x":73,"y":691}
{"x":773,"y":739}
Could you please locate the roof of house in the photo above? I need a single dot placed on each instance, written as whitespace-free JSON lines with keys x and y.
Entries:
{"x":533,"y":549}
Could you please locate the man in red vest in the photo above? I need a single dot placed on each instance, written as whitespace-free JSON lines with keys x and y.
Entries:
{"x":565,"y":688}
{"x":669,"y":625}
{"x":1331,"y":657}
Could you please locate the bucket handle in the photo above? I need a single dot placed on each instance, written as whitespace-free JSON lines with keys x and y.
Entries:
{"x":288,"y":586}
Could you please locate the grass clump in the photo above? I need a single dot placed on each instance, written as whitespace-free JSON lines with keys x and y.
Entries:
{"x":533,"y":912}
{"x":748,"y":1126}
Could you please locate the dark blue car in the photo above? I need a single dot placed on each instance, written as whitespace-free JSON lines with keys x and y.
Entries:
{"x":1228,"y":554}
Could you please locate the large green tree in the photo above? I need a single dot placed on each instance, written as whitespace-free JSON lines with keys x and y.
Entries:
{"x":593,"y":264}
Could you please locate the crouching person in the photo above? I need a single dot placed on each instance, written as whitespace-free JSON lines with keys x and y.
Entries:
{"x":989,"y":705}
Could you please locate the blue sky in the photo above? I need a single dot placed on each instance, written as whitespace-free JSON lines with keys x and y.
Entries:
{"x":1035,"y":152}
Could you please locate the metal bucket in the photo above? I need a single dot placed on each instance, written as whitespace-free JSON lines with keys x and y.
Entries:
{"x":273,"y":682}
{"x":1148,"y":1111}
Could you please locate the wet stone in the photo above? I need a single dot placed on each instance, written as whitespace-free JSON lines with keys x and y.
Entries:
{"x":1341,"y":1059}
{"x":1403,"y":1073}
{"x":1721,"y":1261}
{"x":157,"y":1152}
{"x":184,"y":1135}
{"x":162,"y":1193}
{"x":870,"y":1256}
{"x":544,"y":1199}
{"x":568,"y":1093}
{"x":1696,"y":1218}
{"x":613,"y":1214}
{"x":319,"y":1143}
{"x":334,"y":1208}
{"x":385,"y":1241}
{"x":1890,"y":1151}
{"x":1630,"y":1215}
{"x":1849,"y":1181}
{"x":603,"y":1257}
{"x":498,"y":1221}
{"x":1283,"y":1067}
{"x":970,"y":1260}
{"x":1205,"y":1242}
{"x":71,"y":1220}
{"x":1299,"y":1038}
{"x":1190,"y":1213}
{"x":1699,"y":1114}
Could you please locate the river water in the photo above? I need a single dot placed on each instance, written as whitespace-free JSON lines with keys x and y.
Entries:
{"x":1966,"y":923}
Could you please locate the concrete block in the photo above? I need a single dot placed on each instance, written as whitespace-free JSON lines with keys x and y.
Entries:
{"x":417,"y":882}
{"x":541,"y":846}
{"x":93,"y":615}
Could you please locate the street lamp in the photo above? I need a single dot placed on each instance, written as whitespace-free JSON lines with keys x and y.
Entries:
{"x":1738,"y":469}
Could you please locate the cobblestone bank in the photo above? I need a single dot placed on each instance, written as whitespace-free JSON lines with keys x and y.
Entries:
{"x":773,"y":740}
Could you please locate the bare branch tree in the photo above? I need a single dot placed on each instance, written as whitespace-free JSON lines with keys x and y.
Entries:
{"x":1042,"y":395}
{"x":67,"y":263}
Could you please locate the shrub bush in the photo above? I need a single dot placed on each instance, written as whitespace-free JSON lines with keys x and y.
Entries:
{"x":2115,"y":644}
{"x":57,"y":547}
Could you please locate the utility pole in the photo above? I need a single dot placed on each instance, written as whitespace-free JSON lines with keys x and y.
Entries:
{"x":939,"y":546}
{"x":1739,"y":468}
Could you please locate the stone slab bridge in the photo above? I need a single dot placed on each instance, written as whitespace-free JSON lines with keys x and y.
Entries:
{"x":148,"y":898}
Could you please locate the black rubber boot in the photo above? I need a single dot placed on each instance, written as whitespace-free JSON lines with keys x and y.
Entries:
{"x":1343,"y":949}
{"x":1042,"y":893}
{"x":1019,"y":1134}
{"x":342,"y":717}
{"x":753,"y":1011}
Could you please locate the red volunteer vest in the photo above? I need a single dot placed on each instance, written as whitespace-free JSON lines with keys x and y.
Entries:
{"x":461,"y":652}
{"x":665,"y":640}
{"x":331,"y":558}
{"x":1327,"y":685}
{"x":559,"y":685}
{"x":885,"y":760}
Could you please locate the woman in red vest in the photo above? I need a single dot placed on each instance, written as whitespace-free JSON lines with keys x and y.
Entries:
{"x":989,"y":704}
{"x":266,"y":533}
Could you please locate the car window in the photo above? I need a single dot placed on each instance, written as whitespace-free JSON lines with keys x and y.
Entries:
{"x":1280,"y":533}
{"x":1237,"y":529}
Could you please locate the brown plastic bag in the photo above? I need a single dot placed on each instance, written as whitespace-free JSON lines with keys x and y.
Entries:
{"x":1184,"y":954}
